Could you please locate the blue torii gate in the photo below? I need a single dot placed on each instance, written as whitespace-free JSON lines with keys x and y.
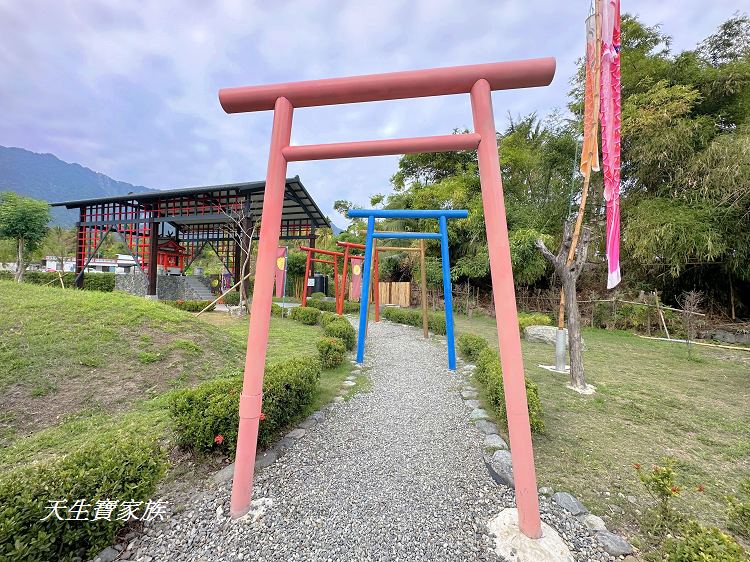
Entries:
{"x":442,"y":215}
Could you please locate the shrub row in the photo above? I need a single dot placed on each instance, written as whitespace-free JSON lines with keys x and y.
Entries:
{"x":332,"y":351}
{"x":341,"y":329}
{"x":122,"y":469}
{"x":489,"y":374}
{"x":470,"y":346}
{"x":305,"y":315}
{"x":207,"y":417}
{"x":104,"y":282}
{"x":435,"y":322}
{"x":190,"y":306}
{"x":317,"y":296}
{"x":232,"y":298}
{"x":330,"y":306}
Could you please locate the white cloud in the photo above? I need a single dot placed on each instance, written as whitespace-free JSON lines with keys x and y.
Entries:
{"x":131,"y":89}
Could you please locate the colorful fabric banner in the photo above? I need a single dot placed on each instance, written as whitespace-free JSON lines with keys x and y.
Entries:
{"x":356,"y":289}
{"x":590,"y":148}
{"x":280,"y":277}
{"x":610,"y":117}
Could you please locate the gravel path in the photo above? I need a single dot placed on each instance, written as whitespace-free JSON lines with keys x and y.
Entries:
{"x":395,"y":473}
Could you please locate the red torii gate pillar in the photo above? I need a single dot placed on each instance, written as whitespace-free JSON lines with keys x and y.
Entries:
{"x":479,"y":81}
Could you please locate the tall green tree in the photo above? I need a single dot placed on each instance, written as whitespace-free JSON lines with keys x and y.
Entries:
{"x":23,"y":220}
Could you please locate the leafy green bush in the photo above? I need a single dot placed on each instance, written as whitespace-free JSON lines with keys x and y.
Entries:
{"x":341,"y":329}
{"x":104,"y":282}
{"x":532,"y":319}
{"x":470,"y":346}
{"x":190,"y":306}
{"x":738,"y":511}
{"x":122,"y":469}
{"x":277,"y":310}
{"x":410,"y":317}
{"x":232,"y":298}
{"x":206,"y":417}
{"x":330,"y":306}
{"x":326,"y":318}
{"x":332,"y":352}
{"x":305,"y":315}
{"x":695,"y":542}
{"x":489,"y":374}
{"x":317,"y":296}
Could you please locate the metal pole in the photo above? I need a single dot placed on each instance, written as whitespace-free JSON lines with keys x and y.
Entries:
{"x":425,"y":322}
{"x":307,"y":273}
{"x":340,"y":304}
{"x":260,"y":314}
{"x":447,"y":291}
{"x":506,"y":315}
{"x":365,"y":298}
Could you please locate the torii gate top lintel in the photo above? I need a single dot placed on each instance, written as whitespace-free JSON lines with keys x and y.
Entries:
{"x":477,"y":80}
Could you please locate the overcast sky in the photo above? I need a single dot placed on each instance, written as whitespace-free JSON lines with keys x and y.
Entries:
{"x":130,"y":88}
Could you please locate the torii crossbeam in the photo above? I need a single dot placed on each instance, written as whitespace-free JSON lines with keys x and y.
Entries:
{"x":477,"y":80}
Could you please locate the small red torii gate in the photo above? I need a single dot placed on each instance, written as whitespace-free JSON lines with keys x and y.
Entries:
{"x":334,"y":262}
{"x":476,"y":80}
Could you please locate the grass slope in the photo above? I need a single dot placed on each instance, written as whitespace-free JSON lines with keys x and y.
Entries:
{"x":93,"y":354}
{"x":652,"y":400}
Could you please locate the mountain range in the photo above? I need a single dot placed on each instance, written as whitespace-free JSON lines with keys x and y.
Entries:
{"x":45,"y":176}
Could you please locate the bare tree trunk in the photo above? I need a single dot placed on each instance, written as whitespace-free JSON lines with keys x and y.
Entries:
{"x":20,"y":267}
{"x":573,"y":322}
{"x":569,"y":271}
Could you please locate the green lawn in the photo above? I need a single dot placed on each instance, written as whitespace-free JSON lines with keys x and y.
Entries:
{"x":75,"y":364}
{"x":652,"y":400}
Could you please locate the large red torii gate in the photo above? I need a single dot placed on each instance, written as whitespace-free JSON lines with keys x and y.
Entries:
{"x":478,"y":81}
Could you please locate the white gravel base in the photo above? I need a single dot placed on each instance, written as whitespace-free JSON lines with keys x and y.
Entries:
{"x":396,"y":473}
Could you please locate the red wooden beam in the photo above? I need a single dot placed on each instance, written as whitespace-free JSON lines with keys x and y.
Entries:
{"x":390,"y":86}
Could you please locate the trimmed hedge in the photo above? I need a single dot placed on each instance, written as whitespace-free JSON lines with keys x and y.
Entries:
{"x":435,"y":322}
{"x":104,"y":282}
{"x":470,"y":346}
{"x":306,"y":315}
{"x":232,"y":298}
{"x":330,"y":306}
{"x":341,"y":329}
{"x":326,"y":318}
{"x":317,"y":296}
{"x":332,"y":352}
{"x":190,"y":306}
{"x":533,"y":319}
{"x":489,"y":374}
{"x":122,"y":469}
{"x":277,"y":310}
{"x":206,"y":417}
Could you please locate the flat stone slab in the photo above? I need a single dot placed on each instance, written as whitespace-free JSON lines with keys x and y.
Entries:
{"x":338,"y":400}
{"x":224,"y":475}
{"x":613,"y":544}
{"x":296,"y":433}
{"x":473,"y":404}
{"x":469,"y":394}
{"x":512,"y":545}
{"x":479,"y":414}
{"x":308,"y":422}
{"x":494,"y":441}
{"x":569,"y":502}
{"x":266,"y":459}
{"x":284,"y":444}
{"x":349,"y":383}
{"x":486,"y":427}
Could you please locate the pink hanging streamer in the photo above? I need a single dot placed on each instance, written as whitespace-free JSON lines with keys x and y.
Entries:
{"x":610,"y":117}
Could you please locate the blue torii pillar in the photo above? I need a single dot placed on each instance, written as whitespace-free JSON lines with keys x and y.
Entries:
{"x":442,"y":215}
